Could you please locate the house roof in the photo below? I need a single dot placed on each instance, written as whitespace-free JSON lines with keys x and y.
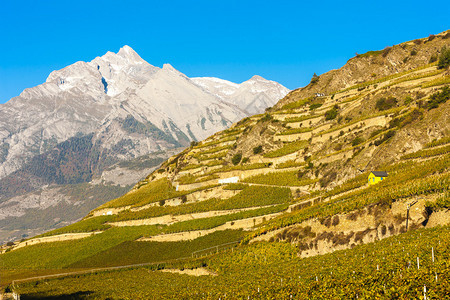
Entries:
{"x":380,"y":173}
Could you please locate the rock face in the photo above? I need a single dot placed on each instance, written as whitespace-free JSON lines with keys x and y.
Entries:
{"x":117,"y":107}
{"x":252,"y":96}
{"x":130,"y":107}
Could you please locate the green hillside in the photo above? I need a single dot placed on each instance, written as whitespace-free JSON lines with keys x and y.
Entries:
{"x":279,"y":204}
{"x":383,"y":270}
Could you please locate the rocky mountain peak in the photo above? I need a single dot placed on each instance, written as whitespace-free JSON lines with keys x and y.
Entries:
{"x":170,"y":68}
{"x":129,"y":54}
{"x":117,"y":105}
{"x":257,"y":78}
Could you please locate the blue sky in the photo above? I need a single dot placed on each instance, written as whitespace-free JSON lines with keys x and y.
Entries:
{"x":285,"y":41}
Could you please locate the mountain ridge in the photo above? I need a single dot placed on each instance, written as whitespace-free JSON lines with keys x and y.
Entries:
{"x":117,"y":105}
{"x":107,"y":76}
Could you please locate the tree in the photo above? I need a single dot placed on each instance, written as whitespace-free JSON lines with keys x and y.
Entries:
{"x":438,"y":98}
{"x":444,"y":58}
{"x":236,"y":158}
{"x":257,"y":149}
{"x":331,"y":114}
{"x":385,"y":103}
{"x":314,"y":79}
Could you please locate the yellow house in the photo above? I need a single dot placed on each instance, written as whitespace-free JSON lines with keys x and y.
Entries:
{"x":377,"y":176}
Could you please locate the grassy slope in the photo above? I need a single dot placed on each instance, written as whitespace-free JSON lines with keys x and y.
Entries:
{"x":386,"y":269}
{"x":145,"y":252}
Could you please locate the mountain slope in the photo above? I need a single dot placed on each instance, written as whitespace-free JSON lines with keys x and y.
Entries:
{"x":291,"y":183}
{"x":92,"y":115}
{"x":90,"y":97}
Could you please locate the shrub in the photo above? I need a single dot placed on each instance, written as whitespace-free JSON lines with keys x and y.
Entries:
{"x":257,"y":149}
{"x":162,"y":202}
{"x":245,"y":160}
{"x":314,"y":79}
{"x":420,"y":95}
{"x":386,"y":51}
{"x":386,"y":136}
{"x":389,"y":134}
{"x":408,"y":100}
{"x":236,"y":158}
{"x":267,"y":117}
{"x":9,"y":244}
{"x":444,"y":58}
{"x":383,"y":230}
{"x":413,"y":52}
{"x":194,"y":143}
{"x":300,"y":174}
{"x":335,"y":221}
{"x":327,"y":222}
{"x":331,"y":114}
{"x":433,"y":58}
{"x":439,"y":97}
{"x":314,"y":106}
{"x":376,"y":132}
{"x":338,"y":147}
{"x":386,"y":103}
{"x":414,"y":115}
{"x":358,"y":140}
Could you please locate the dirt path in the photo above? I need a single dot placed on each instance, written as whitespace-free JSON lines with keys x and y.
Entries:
{"x":192,"y":272}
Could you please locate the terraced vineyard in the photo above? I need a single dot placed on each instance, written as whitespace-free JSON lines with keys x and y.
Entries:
{"x":288,"y":185}
{"x":397,"y":267}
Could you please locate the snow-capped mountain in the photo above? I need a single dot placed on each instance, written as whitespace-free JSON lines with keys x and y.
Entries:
{"x":91,"y":115}
{"x":253,"y":95}
{"x":122,"y":99}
